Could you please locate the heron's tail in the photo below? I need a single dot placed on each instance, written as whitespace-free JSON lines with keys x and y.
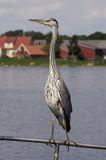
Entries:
{"x":65,"y":123}
{"x":68,"y":126}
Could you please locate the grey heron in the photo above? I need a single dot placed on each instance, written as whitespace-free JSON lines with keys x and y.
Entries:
{"x":56,"y":92}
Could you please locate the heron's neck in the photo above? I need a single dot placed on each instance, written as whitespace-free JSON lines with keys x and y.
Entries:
{"x":52,"y":60}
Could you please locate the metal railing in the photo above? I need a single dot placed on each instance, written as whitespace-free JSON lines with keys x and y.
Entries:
{"x":56,"y":144}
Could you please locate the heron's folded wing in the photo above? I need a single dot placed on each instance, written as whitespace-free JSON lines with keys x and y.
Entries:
{"x":65,"y":98}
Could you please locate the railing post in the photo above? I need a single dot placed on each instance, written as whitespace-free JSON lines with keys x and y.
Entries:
{"x":55,"y":144}
{"x":56,"y":152}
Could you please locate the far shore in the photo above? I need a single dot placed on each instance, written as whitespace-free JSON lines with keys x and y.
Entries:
{"x":6,"y":62}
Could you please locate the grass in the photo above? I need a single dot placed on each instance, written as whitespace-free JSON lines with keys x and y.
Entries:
{"x":44,"y":62}
{"x":23,"y":62}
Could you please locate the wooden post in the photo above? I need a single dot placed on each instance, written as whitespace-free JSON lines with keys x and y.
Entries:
{"x":56,"y":152}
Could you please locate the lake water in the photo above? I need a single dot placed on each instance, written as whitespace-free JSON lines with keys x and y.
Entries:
{"x":24,"y":113}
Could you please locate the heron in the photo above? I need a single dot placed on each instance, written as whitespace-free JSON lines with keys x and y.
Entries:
{"x":56,"y":92}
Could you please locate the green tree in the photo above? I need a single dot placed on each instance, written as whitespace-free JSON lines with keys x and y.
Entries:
{"x":97,"y":36}
{"x":35,"y":35}
{"x":18,"y":32}
{"x":74,"y":49}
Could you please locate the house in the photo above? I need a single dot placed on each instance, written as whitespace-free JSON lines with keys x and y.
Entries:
{"x":93,"y":48}
{"x":22,"y":46}
{"x":64,"y":53}
{"x":2,"y":40}
{"x":39,"y":41}
{"x":29,"y":51}
{"x":65,"y":43}
{"x":9,"y":49}
{"x":9,"y":44}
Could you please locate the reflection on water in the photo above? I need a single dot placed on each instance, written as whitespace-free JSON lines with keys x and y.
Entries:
{"x":24,"y":113}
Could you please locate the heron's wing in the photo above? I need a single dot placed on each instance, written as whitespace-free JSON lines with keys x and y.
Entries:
{"x":65,"y":98}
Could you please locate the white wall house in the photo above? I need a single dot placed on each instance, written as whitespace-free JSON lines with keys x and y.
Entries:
{"x":10,"y":53}
{"x":8,"y":45}
{"x":9,"y":48}
{"x":0,"y":52}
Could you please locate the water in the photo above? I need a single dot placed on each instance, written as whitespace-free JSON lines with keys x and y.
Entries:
{"x":24,"y":113}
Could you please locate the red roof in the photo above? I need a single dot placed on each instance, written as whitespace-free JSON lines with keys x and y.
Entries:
{"x":2,"y":40}
{"x":16,"y":40}
{"x":26,"y":40}
{"x":35,"y":49}
{"x":32,"y":49}
{"x":10,"y":39}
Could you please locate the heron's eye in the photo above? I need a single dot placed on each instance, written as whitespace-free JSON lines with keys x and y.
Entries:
{"x":47,"y":21}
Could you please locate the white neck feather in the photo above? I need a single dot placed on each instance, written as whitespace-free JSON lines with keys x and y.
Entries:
{"x":52,"y":61}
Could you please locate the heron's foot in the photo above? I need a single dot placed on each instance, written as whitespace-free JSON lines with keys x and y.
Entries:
{"x":68,"y":142}
{"x":51,"y":141}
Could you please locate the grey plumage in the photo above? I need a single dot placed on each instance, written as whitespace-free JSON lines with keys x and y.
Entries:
{"x":58,"y":99}
{"x":56,"y":93}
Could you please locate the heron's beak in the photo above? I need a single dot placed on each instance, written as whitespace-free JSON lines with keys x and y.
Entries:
{"x":41,"y":21}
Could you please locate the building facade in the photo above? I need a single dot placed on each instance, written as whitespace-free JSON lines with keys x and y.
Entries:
{"x":93,"y":48}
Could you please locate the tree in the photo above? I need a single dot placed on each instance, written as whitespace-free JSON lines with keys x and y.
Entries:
{"x":74,"y":49}
{"x":97,"y":36}
{"x":18,"y":32}
{"x":35,"y":35}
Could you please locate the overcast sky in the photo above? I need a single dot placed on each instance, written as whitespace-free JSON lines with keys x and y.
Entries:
{"x":74,"y":16}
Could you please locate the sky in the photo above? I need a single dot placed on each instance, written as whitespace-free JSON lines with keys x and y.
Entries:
{"x":74,"y":16}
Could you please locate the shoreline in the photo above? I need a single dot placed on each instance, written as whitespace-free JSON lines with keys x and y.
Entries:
{"x":43,"y":62}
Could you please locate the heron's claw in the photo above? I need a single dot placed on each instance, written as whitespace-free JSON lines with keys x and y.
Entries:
{"x":68,"y":142}
{"x":51,"y":141}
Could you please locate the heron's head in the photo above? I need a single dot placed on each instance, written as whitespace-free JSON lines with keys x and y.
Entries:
{"x":51,"y":22}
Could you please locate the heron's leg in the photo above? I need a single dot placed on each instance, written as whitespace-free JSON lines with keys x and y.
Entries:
{"x":67,"y":136}
{"x":52,"y":140}
{"x":68,"y":140}
{"x":53,"y":124}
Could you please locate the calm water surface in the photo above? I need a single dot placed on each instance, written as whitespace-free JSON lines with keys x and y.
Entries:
{"x":24,"y":113}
